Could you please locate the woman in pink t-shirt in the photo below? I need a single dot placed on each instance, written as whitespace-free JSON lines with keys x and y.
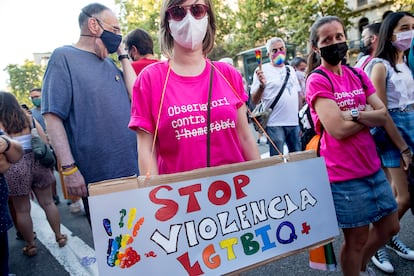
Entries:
{"x":192,"y":108}
{"x":344,"y":106}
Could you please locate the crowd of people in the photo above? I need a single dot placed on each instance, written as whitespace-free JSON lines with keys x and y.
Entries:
{"x":106,"y":121}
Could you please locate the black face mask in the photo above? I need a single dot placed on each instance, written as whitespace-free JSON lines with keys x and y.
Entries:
{"x":111,"y":41}
{"x":335,"y":53}
{"x":365,"y":49}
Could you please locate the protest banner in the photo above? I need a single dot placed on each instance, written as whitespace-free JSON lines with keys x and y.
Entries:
{"x":212,"y":221}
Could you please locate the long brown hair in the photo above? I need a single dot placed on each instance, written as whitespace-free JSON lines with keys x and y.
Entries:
{"x":385,"y":49}
{"x":12,"y":116}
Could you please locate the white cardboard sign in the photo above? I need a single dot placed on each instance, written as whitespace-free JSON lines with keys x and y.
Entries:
{"x":214,"y":225}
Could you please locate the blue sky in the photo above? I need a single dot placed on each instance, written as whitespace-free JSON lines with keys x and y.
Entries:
{"x":37,"y":27}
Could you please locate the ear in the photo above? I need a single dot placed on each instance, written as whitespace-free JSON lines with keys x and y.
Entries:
{"x":316,"y":50}
{"x":134,"y":50}
{"x":93,"y":26}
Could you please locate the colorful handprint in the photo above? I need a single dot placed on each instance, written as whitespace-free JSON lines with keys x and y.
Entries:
{"x":118,"y":254}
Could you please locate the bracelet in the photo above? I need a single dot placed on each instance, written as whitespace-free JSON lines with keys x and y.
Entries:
{"x":72,"y":171}
{"x":70,"y":166}
{"x":406,"y":150}
{"x":121,"y":57}
{"x":7,"y":142}
{"x":262,"y":86}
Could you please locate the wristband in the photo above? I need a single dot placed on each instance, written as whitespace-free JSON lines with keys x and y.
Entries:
{"x":406,"y":150}
{"x":121,"y":57}
{"x":70,"y":166}
{"x":7,"y":142}
{"x":71,"y":171}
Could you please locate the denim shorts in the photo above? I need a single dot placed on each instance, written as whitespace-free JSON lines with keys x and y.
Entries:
{"x":362,"y":201}
{"x":404,"y":120}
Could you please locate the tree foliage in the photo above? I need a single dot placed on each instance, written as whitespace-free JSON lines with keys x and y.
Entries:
{"x":250,"y":25}
{"x":247,"y":26}
{"x":403,"y":5}
{"x":252,"y":22}
{"x":141,"y":14}
{"x":301,"y":15}
{"x":24,"y":77}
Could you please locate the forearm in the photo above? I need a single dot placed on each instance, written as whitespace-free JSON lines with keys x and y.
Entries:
{"x":395,"y":135}
{"x":147,"y":159}
{"x":11,"y":149}
{"x":129,"y":75}
{"x":373,"y":118}
{"x":257,"y":95}
{"x":246,"y":138}
{"x":59,"y":139}
{"x":337,"y":123}
{"x":128,"y":72}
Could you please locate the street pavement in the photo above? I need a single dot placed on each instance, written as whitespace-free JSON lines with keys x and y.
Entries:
{"x":77,"y":257}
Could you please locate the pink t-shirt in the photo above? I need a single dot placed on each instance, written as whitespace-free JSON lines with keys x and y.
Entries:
{"x":182,"y":131}
{"x":355,"y":156}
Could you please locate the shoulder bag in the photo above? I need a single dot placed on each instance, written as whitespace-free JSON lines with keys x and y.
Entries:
{"x":260,"y":115}
{"x":41,"y":150}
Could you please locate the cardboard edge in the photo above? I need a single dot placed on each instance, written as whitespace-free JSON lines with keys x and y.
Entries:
{"x":113,"y":185}
{"x":134,"y":182}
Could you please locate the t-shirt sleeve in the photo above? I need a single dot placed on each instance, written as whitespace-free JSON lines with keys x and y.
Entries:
{"x":318,"y":85}
{"x":141,"y":104}
{"x":57,"y":88}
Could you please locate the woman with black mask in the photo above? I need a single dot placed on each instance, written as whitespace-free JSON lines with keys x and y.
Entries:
{"x":344,"y":106}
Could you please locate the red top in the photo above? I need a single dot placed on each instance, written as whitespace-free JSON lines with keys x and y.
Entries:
{"x":142,"y":63}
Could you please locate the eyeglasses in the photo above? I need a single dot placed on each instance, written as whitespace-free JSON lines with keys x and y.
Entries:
{"x":114,"y":29}
{"x":178,"y":13}
{"x":274,"y":50}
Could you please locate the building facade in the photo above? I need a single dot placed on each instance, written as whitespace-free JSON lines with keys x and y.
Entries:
{"x":367,"y":11}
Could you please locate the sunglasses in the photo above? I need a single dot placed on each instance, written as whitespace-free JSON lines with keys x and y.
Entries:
{"x":178,"y":13}
{"x":275,"y":50}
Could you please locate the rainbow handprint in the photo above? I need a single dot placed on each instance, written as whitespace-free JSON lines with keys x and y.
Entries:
{"x":118,"y":254}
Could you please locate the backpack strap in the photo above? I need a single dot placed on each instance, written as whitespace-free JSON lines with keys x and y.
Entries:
{"x":358,"y":75}
{"x":319,"y":71}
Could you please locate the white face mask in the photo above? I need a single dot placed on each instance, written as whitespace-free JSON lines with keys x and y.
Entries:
{"x":189,"y":32}
{"x":403,"y":40}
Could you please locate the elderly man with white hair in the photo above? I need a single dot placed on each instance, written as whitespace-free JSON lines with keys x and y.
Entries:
{"x":273,"y":79}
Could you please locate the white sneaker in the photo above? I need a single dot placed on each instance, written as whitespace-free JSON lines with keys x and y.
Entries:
{"x":382,"y":260}
{"x":368,"y":272}
{"x":76,"y":207}
{"x":400,"y":248}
